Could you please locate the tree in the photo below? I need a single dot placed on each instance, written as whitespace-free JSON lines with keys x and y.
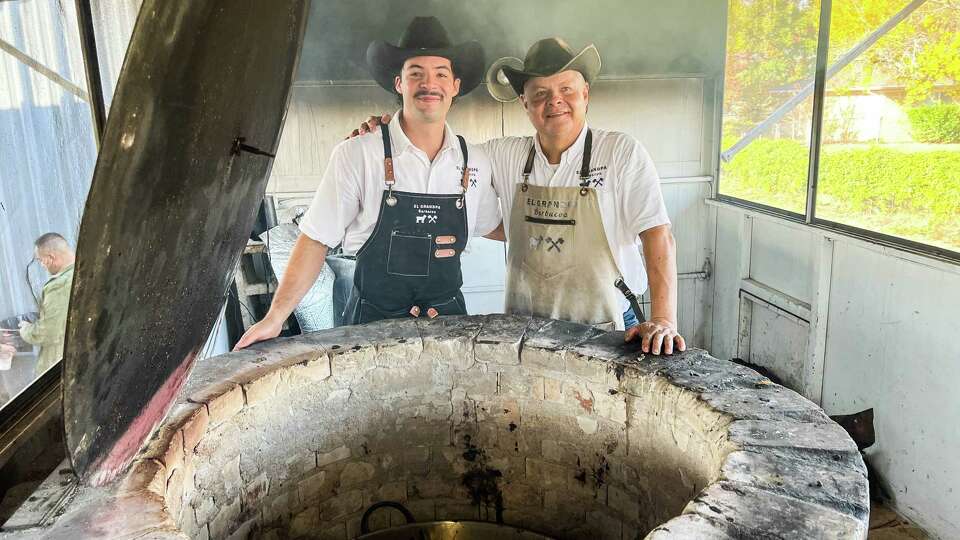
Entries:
{"x":919,"y":53}
{"x":772,"y":45}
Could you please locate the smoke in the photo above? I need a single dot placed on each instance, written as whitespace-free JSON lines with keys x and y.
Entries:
{"x":635,"y":37}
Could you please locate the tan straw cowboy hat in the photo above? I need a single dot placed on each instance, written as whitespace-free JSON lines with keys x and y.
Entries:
{"x":506,"y":77}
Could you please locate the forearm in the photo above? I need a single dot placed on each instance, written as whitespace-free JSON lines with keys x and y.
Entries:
{"x":306,"y":262}
{"x":30,"y":334}
{"x":660,"y":258}
{"x":497,"y":234}
{"x":45,"y":331}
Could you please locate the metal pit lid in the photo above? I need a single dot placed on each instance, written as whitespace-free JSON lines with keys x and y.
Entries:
{"x":170,"y":208}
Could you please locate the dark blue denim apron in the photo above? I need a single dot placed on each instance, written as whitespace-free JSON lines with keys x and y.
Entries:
{"x":411,"y":262}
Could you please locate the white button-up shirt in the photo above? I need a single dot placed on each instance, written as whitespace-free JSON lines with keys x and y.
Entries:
{"x":346,"y":205}
{"x":622,"y":172}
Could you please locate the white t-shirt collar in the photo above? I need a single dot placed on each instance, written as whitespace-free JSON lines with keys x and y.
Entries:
{"x":401,"y":143}
{"x":575,"y":150}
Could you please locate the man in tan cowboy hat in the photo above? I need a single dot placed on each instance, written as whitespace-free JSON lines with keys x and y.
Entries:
{"x":582,"y":202}
{"x":404,"y":201}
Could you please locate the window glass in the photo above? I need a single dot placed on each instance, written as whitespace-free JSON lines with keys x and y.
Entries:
{"x":113,"y":22}
{"x":890,"y":154}
{"x":47,"y":154}
{"x":767,"y":109}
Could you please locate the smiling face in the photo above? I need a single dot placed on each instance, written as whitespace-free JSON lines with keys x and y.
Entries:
{"x":428,"y":86}
{"x":557,"y":105}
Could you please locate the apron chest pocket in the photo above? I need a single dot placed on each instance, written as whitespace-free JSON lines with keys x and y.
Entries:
{"x":409,"y":254}
{"x":550,"y":246}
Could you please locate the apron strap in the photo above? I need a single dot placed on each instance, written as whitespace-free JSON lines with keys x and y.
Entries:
{"x":585,"y":164}
{"x":466,"y":171}
{"x":528,"y":166}
{"x":388,"y":177}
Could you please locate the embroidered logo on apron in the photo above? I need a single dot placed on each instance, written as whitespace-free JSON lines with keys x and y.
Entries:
{"x":596,"y":176}
{"x":551,"y":244}
{"x":474,"y":172}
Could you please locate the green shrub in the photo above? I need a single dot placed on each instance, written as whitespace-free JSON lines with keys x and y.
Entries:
{"x":770,"y":171}
{"x":936,"y":123}
{"x":875,"y":178}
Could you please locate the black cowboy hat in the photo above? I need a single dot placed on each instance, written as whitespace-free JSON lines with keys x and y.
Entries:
{"x":425,"y":36}
{"x":547,"y":57}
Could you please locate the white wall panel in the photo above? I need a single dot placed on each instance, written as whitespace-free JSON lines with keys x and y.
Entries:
{"x":892,"y":345}
{"x":726,"y":282}
{"x":688,"y":312}
{"x":782,"y":258}
{"x":689,"y":217}
{"x":477,"y":116}
{"x":778,"y":342}
{"x":484,"y":276}
{"x":319,"y":117}
{"x":664,"y":114}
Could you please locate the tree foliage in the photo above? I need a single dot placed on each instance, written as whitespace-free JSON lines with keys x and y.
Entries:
{"x":772,"y":46}
{"x":938,"y":123}
{"x":918,"y":54}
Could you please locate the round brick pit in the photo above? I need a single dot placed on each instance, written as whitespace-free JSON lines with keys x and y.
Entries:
{"x":543,"y":425}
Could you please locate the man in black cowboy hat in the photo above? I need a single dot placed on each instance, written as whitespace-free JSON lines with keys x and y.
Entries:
{"x":404,"y":201}
{"x":583,"y":202}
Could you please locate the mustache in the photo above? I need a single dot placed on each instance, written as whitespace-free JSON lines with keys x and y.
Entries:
{"x":421,"y":93}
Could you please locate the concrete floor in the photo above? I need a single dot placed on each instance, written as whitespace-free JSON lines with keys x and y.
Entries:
{"x":885,"y":524}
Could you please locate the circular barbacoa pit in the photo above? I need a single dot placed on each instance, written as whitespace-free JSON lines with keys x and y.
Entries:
{"x":548,"y":426}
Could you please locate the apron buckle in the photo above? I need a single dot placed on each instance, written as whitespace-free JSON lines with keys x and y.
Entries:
{"x":391,"y":200}
{"x":584,"y":183}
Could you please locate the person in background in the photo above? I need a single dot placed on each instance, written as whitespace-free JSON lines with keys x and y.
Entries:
{"x":54,"y":254}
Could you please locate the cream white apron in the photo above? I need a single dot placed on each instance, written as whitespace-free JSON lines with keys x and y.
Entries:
{"x":559,"y":263}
